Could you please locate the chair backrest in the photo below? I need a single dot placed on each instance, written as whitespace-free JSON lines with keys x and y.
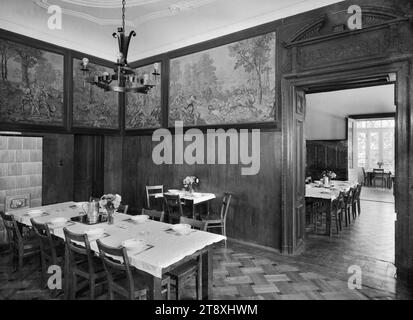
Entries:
{"x":47,"y":244}
{"x":358,"y":192}
{"x":378,"y":173}
{"x":78,"y":247}
{"x":364,"y":172}
{"x":123,"y":208}
{"x":348,"y":197}
{"x":116,"y":263}
{"x":154,"y":214}
{"x":17,"y":202}
{"x":12,"y":229}
{"x":150,"y":193}
{"x":173,"y":205}
{"x":226,"y":201}
{"x":195,"y":224}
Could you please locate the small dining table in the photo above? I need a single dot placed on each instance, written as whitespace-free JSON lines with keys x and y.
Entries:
{"x":370,"y":176}
{"x":164,"y":249}
{"x":193,"y":198}
{"x":327,"y":194}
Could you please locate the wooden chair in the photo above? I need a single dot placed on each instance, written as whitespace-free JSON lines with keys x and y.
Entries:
{"x":51,"y":251}
{"x":188,"y":270}
{"x":336,"y":212}
{"x":150,"y":194}
{"x":173,"y":207}
{"x":154,"y":214}
{"x":356,"y":207}
{"x":195,"y":224}
{"x":366,"y":178}
{"x":17,"y":202}
{"x":220,"y":222}
{"x":123,"y":208}
{"x":347,"y":206}
{"x":378,"y":174}
{"x":82,"y":263}
{"x":21,"y":247}
{"x":121,"y":279}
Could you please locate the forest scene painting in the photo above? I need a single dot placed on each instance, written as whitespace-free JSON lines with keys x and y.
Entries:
{"x":231,"y":84}
{"x":31,"y":85}
{"x":143,"y":111}
{"x":92,"y":106}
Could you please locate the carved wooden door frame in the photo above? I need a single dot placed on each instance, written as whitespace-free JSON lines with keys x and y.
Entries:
{"x":293,"y":83}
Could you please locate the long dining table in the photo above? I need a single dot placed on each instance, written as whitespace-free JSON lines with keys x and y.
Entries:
{"x":164,"y":250}
{"x":326,"y":195}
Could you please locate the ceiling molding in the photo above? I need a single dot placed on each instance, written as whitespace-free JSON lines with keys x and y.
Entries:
{"x":109,"y":3}
{"x":172,"y":10}
{"x":78,"y":14}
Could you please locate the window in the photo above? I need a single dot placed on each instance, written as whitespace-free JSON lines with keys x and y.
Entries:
{"x":375,"y":143}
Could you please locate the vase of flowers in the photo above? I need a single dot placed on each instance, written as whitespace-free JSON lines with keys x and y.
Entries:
{"x":380,"y":164}
{"x":189,"y":183}
{"x":327,"y":176}
{"x":110,"y":202}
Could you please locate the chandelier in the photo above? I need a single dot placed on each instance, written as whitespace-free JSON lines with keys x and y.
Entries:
{"x":124,"y":79}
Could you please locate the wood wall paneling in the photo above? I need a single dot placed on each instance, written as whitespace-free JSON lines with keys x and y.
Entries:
{"x":58,"y":160}
{"x":327,"y":155}
{"x":255,"y":213}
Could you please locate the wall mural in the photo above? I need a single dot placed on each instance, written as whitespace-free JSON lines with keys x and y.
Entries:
{"x":92,"y":106}
{"x":231,"y":84}
{"x":31,"y":85}
{"x":143,"y":111}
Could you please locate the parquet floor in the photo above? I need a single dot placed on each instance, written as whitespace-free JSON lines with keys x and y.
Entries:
{"x":319,"y":273}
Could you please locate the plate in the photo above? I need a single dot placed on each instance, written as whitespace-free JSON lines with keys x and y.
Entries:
{"x":57,"y":222}
{"x":140,"y":218}
{"x":95,"y":231}
{"x":174,"y":191}
{"x":133,"y":244}
{"x":35,"y":213}
{"x":181,"y":228}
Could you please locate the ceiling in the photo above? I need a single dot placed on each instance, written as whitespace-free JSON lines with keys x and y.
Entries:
{"x":343,"y":103}
{"x":161,"y":25}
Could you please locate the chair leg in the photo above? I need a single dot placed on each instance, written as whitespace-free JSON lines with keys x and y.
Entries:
{"x":359,"y":207}
{"x":73,"y":289}
{"x":337,"y":226}
{"x":92,"y":288}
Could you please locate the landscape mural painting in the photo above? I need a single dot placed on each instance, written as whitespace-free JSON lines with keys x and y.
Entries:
{"x":230,"y":84}
{"x":143,"y":111}
{"x":92,"y":106}
{"x":31,"y":85}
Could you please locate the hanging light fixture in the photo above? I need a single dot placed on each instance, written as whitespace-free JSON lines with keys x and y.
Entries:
{"x":124,"y":79}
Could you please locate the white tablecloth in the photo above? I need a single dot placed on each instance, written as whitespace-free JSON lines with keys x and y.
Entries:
{"x":164,"y":248}
{"x":312,"y":191}
{"x":196,"y":197}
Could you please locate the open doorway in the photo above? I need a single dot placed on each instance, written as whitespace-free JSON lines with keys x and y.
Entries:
{"x":351,"y":132}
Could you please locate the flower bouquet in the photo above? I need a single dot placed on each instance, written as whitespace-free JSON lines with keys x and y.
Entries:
{"x":327,"y":176}
{"x":110,"y":202}
{"x":380,"y":164}
{"x":189,"y":182}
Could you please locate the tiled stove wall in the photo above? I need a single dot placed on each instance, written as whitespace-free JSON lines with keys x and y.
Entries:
{"x":21,"y":168}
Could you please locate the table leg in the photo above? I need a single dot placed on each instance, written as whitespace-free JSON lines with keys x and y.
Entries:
{"x":206,"y":274}
{"x":328,"y":219}
{"x":155,"y":292}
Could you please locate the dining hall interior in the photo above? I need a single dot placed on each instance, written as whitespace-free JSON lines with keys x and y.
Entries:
{"x":206,"y":150}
